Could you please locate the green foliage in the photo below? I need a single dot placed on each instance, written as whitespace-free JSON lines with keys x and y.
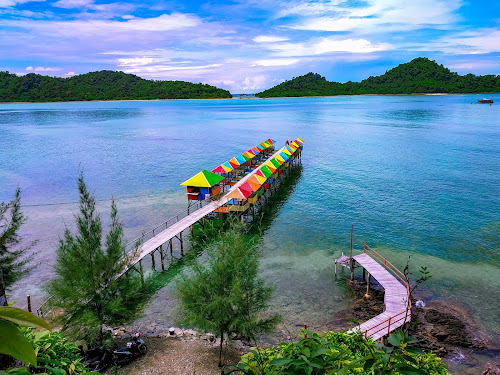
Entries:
{"x":13,"y":258}
{"x":420,"y":75}
{"x":12,"y":340}
{"x":55,"y":352}
{"x":86,"y":286}
{"x":102,"y":85}
{"x":224,"y":295}
{"x":340,"y":353}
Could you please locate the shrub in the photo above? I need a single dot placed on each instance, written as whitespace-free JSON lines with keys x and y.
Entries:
{"x":341,"y":353}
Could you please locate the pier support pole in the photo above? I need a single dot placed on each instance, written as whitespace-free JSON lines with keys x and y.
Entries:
{"x":203,"y":225}
{"x":141,"y":271}
{"x":191,"y":229}
{"x":153,"y":260}
{"x":335,"y":270}
{"x":351,"y":261}
{"x":162,"y":256}
{"x":367,"y":295}
{"x":364,"y":274}
{"x":171,"y":250}
{"x":182,"y":243}
{"x":29,"y":302}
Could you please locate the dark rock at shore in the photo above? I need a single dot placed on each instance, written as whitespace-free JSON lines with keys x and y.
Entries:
{"x":492,"y":368}
{"x":449,"y":329}
{"x":438,"y":329}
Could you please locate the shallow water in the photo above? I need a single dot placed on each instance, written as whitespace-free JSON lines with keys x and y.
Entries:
{"x":416,"y":175}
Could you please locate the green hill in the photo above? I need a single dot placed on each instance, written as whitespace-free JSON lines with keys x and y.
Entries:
{"x":103,"y":85}
{"x":420,"y":75}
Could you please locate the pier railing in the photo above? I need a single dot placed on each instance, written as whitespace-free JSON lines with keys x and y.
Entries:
{"x":45,"y":308}
{"x":146,"y":236}
{"x":394,"y":319}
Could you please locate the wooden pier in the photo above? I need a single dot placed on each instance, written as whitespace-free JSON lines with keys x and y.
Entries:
{"x":156,"y":242}
{"x":396,"y":300}
{"x":160,"y":239}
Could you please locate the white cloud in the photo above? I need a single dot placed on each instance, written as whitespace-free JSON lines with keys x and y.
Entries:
{"x":106,"y":28}
{"x":165,"y":68}
{"x":137,"y":61}
{"x":275,"y":62}
{"x":45,"y":69}
{"x":69,"y":74}
{"x":254,"y":83}
{"x":326,"y":45}
{"x":378,"y":16}
{"x":307,"y":8}
{"x":11,"y":3}
{"x":70,"y":4}
{"x":476,"y":42}
{"x":268,"y":39}
{"x":29,"y":68}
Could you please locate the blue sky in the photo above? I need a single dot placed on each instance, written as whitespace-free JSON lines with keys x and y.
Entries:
{"x":246,"y":46}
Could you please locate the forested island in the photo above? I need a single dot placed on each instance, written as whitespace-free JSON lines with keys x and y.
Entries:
{"x":102,"y":85}
{"x":419,"y":76}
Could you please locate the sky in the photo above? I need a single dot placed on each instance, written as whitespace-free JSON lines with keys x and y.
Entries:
{"x":246,"y":46}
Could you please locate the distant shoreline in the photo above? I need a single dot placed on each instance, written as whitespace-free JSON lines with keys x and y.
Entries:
{"x":115,"y":100}
{"x":270,"y":97}
{"x":348,"y":95}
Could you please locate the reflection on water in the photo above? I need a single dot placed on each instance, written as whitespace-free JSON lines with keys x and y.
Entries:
{"x":416,"y":175}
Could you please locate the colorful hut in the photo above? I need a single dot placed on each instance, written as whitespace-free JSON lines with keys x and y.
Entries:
{"x":202,"y":185}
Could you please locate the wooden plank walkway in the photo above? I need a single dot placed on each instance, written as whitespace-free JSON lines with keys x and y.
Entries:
{"x":395,"y":300}
{"x":175,"y":229}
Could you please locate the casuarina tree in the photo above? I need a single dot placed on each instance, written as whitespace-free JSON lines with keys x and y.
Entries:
{"x":224,"y":294}
{"x":14,"y":257}
{"x":87,"y":288}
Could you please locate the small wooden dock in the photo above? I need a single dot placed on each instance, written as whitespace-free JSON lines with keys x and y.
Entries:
{"x":396,"y":300}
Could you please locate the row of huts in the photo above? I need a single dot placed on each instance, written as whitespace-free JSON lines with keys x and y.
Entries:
{"x":246,"y":176}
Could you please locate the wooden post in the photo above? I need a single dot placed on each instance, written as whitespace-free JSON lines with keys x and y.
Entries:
{"x":203,"y":224}
{"x":162,"y":256}
{"x":351,"y":262}
{"x":182,"y":244}
{"x":171,"y":249}
{"x":335,"y":270}
{"x":29,"y":302}
{"x":367,"y":295}
{"x":364,"y":274}
{"x":141,"y":271}
{"x":191,"y":229}
{"x":3,"y":296}
{"x":153,"y":259}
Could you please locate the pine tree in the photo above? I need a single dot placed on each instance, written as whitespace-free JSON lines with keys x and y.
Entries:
{"x":224,"y":295}
{"x":14,"y":258}
{"x":86,"y":286}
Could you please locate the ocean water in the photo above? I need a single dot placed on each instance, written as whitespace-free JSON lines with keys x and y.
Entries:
{"x":417,"y":176}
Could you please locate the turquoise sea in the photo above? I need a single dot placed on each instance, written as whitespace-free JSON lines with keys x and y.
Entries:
{"x":417,"y":175}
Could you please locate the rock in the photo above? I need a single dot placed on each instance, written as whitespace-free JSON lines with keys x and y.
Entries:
{"x":492,"y":368}
{"x":179,"y":332}
{"x":420,"y":304}
{"x":191,"y":332}
{"x":210,"y":337}
{"x":171,"y":331}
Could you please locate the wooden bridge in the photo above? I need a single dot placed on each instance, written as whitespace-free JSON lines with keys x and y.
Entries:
{"x":160,"y":237}
{"x":397,"y":293}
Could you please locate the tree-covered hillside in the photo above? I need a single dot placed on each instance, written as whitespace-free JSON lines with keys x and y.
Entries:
{"x":420,"y":75}
{"x":103,"y":85}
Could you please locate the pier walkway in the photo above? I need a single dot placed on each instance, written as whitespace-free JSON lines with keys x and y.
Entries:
{"x":396,"y":299}
{"x":180,"y":225}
